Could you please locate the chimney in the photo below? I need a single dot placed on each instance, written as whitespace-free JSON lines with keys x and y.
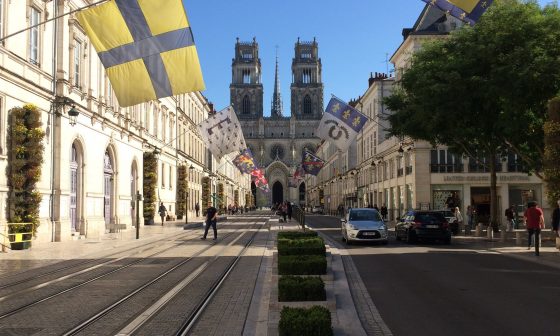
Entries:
{"x":370,"y":80}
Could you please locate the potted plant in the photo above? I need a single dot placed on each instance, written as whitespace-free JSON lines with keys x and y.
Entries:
{"x":25,"y":157}
{"x":149,"y":183}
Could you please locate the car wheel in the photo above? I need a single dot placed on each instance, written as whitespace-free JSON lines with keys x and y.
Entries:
{"x":447,"y":241}
{"x":385,"y":242}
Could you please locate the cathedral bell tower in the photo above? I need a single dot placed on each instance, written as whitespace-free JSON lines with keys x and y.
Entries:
{"x":307,"y":83}
{"x":246,"y":89}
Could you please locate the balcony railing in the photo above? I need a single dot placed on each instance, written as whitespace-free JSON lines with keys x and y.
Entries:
{"x":445,"y":168}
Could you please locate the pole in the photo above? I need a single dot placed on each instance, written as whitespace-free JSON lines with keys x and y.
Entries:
{"x":186,"y":207}
{"x":51,"y":19}
{"x":138,"y":197}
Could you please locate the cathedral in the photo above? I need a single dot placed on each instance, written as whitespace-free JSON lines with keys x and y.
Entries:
{"x":278,"y":141}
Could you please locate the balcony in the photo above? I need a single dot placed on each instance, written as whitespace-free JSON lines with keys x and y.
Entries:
{"x":445,"y":168}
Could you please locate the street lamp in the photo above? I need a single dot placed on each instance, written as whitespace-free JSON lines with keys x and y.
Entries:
{"x":65,"y":101}
{"x":187,"y":197}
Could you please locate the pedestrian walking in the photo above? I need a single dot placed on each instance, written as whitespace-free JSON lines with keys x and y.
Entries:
{"x":162,"y":212}
{"x":289,"y":210}
{"x":211,"y":219}
{"x":197,"y":209}
{"x":534,"y":222}
{"x":284,"y":210}
{"x":459,"y":219}
{"x":470,"y":215}
{"x":341,"y":210}
{"x":510,"y":216}
{"x":384,"y":211}
{"x":556,"y":223}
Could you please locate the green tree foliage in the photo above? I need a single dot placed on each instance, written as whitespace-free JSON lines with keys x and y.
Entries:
{"x":483,"y":91}
{"x":25,"y":157}
{"x":181,"y":190}
{"x":150,"y":183}
{"x":552,"y":152}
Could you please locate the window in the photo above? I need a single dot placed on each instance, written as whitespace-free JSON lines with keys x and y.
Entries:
{"x":34,"y":18}
{"x":443,"y":161}
{"x":77,"y":62}
{"x":170,"y":177}
{"x":306,"y":76}
{"x":307,"y":105}
{"x":246,"y":105}
{"x":514,"y":163}
{"x":306,"y":54}
{"x":247,"y":55}
{"x":246,"y":76}
{"x":163,"y":175}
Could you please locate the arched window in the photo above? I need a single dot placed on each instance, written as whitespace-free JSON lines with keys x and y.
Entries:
{"x":246,"y":105}
{"x":307,"y":105}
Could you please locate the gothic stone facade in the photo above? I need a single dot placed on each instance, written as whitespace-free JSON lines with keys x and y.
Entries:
{"x":278,"y":141}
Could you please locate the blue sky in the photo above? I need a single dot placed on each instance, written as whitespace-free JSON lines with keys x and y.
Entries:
{"x":354,"y":36}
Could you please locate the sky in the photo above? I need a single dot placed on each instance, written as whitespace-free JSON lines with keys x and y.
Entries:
{"x":355,"y":37}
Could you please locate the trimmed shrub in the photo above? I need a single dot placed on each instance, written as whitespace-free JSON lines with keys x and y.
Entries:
{"x":296,"y":234}
{"x":150,"y":184}
{"x":314,"y":246}
{"x":315,"y":321}
{"x":302,"y":264}
{"x":295,"y":288}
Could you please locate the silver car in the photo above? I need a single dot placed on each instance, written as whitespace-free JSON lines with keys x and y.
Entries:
{"x":363,"y":224}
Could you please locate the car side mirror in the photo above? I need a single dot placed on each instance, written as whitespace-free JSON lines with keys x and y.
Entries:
{"x":343,"y":220}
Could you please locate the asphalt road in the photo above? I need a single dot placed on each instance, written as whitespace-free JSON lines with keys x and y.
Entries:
{"x":462,"y":289}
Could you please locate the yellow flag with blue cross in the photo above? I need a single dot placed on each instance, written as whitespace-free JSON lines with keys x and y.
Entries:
{"x":146,"y":46}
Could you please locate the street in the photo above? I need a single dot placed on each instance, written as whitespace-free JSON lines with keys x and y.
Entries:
{"x":462,"y":289}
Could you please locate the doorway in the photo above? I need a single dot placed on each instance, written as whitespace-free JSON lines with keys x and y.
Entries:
{"x":108,"y":189}
{"x":277,"y":193}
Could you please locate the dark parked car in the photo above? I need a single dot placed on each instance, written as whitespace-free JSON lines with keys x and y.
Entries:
{"x":417,"y":224}
{"x":450,"y":216}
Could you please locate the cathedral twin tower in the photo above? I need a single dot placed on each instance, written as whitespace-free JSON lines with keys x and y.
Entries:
{"x":278,"y":141}
{"x":246,"y":89}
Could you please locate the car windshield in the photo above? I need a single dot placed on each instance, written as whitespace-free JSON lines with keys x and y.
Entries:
{"x":429,"y":217}
{"x":364,"y":215}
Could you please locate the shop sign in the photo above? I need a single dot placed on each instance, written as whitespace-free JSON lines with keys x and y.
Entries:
{"x":502,"y":178}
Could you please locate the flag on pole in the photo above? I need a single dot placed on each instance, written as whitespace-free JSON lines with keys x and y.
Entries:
{"x":466,"y":10}
{"x":146,"y":47}
{"x":311,"y":163}
{"x":222,"y":133}
{"x":260,"y":179}
{"x":245,"y":161}
{"x":340,"y":124}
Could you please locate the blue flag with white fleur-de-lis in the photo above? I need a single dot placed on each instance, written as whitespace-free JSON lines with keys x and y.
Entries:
{"x":222,"y":134}
{"x":340,"y":124}
{"x":466,"y":10}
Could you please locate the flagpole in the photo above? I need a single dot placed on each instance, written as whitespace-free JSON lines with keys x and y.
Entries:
{"x":52,"y":19}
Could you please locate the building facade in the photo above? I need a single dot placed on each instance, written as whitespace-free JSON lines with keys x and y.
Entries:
{"x":278,"y":141}
{"x":93,"y":165}
{"x":403,"y":174}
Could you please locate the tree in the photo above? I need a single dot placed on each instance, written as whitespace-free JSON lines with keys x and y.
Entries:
{"x":552,"y":152}
{"x":484,"y":90}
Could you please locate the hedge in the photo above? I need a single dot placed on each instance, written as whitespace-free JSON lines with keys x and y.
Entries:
{"x":295,"y":288}
{"x":314,"y":246}
{"x":296,"y":234}
{"x":302,"y":264}
{"x":315,"y":321}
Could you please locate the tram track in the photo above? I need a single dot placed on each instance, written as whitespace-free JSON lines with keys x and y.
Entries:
{"x":80,"y":328}
{"x":70,"y":269}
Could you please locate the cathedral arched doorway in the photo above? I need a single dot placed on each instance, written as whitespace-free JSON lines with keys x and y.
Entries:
{"x":254,"y":193}
{"x":302,"y":194}
{"x":277,"y":192}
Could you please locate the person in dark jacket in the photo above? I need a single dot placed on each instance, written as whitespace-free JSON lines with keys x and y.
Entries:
{"x":556,"y":219}
{"x":289,"y":210}
{"x":384,"y":212}
{"x":211,"y":219}
{"x":162,"y":212}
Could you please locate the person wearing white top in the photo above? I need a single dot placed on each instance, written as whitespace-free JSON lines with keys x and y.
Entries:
{"x":459,"y":218}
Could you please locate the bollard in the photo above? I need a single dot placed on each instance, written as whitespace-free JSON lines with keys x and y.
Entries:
{"x":489,"y":232}
{"x":503,"y":233}
{"x":478,"y":231}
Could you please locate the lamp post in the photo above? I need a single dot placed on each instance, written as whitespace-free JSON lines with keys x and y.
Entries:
{"x":187,"y":197}
{"x":138,"y":199}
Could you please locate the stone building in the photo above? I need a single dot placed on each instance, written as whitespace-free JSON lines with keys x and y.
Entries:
{"x":93,"y":165}
{"x":278,"y":141}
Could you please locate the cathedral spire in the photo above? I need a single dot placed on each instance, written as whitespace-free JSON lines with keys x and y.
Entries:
{"x":276,"y":110}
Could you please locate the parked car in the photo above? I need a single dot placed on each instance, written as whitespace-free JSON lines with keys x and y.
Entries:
{"x":363,"y":224}
{"x":317,"y":210}
{"x":450,"y":216}
{"x":417,"y":224}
